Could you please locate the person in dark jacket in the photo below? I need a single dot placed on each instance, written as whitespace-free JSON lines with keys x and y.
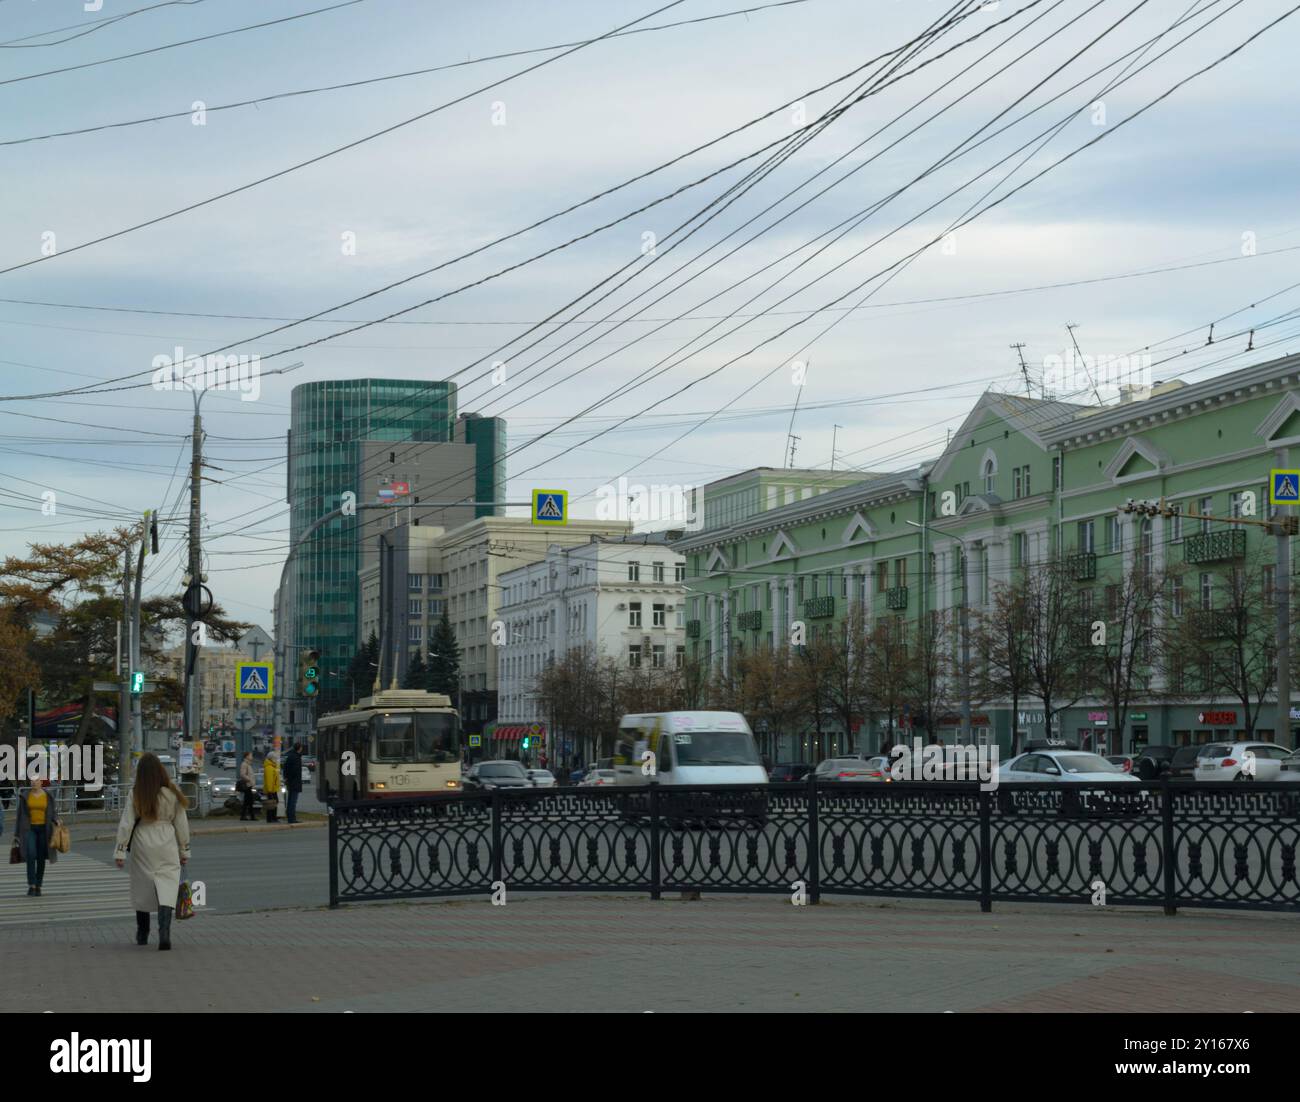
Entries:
{"x":293,"y":781}
{"x":34,"y":832}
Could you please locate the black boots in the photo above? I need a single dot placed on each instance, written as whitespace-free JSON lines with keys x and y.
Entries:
{"x":164,"y":927}
{"x":142,"y":927}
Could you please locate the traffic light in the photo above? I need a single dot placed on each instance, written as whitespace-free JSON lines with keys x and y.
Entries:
{"x":309,"y":672}
{"x":526,"y":741}
{"x":137,"y":682}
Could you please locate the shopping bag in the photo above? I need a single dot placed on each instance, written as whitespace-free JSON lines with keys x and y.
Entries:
{"x":184,"y":902}
{"x":15,"y":854}
{"x":62,"y":840}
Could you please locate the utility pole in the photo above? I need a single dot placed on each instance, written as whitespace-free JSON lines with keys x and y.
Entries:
{"x":1019,"y":346}
{"x":133,"y":661}
{"x":1071,"y":327}
{"x":124,"y":677}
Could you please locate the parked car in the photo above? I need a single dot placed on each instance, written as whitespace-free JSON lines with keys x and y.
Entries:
{"x":1153,"y":762}
{"x":790,"y":771}
{"x":1232,"y":761}
{"x":1182,"y":766}
{"x":222,"y":789}
{"x":847,"y":769}
{"x":1124,"y":761}
{"x":597,"y":778}
{"x":1290,"y":770}
{"x":487,"y":775}
{"x":541,"y":778}
{"x":1061,"y":766}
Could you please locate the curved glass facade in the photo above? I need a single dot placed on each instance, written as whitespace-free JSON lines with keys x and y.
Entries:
{"x":328,"y":422}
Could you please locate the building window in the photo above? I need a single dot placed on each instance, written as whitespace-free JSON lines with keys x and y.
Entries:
{"x":415,"y":581}
{"x":1207,"y":591}
{"x":1056,"y":472}
{"x":1176,"y":524}
{"x":1205,"y":506}
{"x":1114,"y":535}
{"x":657,"y":657}
{"x":900,"y":573}
{"x":634,"y":572}
{"x":989,"y":476}
{"x":1025,"y":477}
{"x":657,"y":612}
{"x":634,"y":614}
{"x":1015,"y":481}
{"x":882,"y":576}
{"x":679,"y":572}
{"x":414,"y":607}
{"x":634,"y":657}
{"x":415,"y":633}
{"x":680,"y":657}
{"x":1086,"y":542}
{"x":657,"y":572}
{"x":1176,"y":597}
{"x":1147,"y":547}
{"x":681,"y":619}
{"x":1021,"y":548}
{"x":1234,"y":503}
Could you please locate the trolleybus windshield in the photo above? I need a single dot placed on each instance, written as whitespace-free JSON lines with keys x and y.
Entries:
{"x":422,"y":737}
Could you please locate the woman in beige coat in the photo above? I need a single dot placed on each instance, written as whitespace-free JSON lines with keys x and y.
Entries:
{"x":155,"y":830}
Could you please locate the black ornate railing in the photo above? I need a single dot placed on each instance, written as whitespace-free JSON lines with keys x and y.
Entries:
{"x":896,"y":598}
{"x":749,"y":621}
{"x":1162,"y":844}
{"x":1215,"y":546}
{"x":1083,"y":566}
{"x":692,"y":629}
{"x":817,"y":607}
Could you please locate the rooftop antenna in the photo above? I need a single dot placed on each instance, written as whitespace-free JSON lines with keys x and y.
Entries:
{"x":791,"y":439}
{"x":834,"y":433}
{"x":1019,"y":346}
{"x":1071,"y":327}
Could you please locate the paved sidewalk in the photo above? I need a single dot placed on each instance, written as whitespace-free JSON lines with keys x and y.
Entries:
{"x":616,"y":953}
{"x":107,"y":832}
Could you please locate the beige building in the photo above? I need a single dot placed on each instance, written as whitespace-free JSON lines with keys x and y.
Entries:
{"x":458,"y":569}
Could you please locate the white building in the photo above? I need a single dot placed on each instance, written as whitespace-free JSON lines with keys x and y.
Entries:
{"x":625,"y":598}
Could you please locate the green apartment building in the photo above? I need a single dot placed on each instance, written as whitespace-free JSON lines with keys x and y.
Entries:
{"x":1022,"y":481}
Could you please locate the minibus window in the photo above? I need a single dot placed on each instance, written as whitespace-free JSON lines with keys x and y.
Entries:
{"x":715,"y":748}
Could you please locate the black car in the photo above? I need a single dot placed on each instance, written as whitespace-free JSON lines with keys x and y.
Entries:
{"x":790,"y":771}
{"x":1182,"y":765}
{"x":1153,"y":762}
{"x":496,"y":774}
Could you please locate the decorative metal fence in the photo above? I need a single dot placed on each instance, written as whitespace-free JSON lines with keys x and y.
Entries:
{"x":1171,"y":845}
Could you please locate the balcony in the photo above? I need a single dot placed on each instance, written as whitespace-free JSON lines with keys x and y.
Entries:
{"x":1215,"y":546}
{"x":816,"y":608}
{"x":692,"y":629}
{"x":1212,"y":623}
{"x":896,"y":598}
{"x":1083,"y":566}
{"x":749,"y":621}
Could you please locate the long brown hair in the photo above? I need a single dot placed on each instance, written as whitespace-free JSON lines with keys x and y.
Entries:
{"x":150,"y":779}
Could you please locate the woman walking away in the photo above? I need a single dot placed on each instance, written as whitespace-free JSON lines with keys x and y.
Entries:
{"x":34,"y":832}
{"x":246,"y":786}
{"x":155,"y":830}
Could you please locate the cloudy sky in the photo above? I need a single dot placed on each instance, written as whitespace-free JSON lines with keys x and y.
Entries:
{"x":822,"y":244}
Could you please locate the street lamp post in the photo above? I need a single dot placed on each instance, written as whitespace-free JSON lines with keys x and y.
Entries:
{"x":964,"y":629}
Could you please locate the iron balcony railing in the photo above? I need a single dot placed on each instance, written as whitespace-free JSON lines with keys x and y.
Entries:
{"x":1212,"y":623}
{"x":817,"y":607}
{"x":749,"y":621}
{"x":692,"y":629}
{"x":1083,"y":566}
{"x":1215,"y":546}
{"x":896,"y":598}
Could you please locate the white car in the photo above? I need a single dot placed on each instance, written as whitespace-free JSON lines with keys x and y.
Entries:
{"x":852,"y":769}
{"x":598,"y":777}
{"x":1290,"y":770}
{"x":541,"y":778}
{"x":1240,"y":761}
{"x":1062,"y":766}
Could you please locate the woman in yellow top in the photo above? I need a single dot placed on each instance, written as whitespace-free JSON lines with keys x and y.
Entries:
{"x":34,"y":833}
{"x":156,"y":831}
{"x":271,"y":785}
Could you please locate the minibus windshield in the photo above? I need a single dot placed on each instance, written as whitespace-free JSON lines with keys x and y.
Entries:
{"x":715,"y":748}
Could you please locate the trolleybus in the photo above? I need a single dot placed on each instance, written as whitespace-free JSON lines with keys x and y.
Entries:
{"x":396,"y":743}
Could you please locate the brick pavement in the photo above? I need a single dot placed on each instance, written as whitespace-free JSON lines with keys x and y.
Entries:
{"x":621,"y":953}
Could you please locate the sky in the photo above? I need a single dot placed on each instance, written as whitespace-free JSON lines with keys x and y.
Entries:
{"x":679,"y":345}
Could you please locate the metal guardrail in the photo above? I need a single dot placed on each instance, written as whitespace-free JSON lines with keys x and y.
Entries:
{"x":75,"y":803}
{"x":1160,"y":844}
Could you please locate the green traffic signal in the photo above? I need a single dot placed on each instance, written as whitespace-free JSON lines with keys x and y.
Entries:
{"x":137,"y":682}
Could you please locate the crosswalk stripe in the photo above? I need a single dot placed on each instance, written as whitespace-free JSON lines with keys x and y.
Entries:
{"x":76,"y":887}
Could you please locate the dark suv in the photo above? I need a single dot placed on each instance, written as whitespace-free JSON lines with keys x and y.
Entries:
{"x":1153,"y":762}
{"x":789,"y":771}
{"x":496,"y":774}
{"x":1182,"y":765}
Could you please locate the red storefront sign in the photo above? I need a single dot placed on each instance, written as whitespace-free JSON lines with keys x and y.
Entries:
{"x":1217,"y":719}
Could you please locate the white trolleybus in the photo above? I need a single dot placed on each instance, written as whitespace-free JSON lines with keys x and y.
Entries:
{"x":397,"y":743}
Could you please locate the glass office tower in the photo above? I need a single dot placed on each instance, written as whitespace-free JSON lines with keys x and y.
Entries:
{"x":328,"y":422}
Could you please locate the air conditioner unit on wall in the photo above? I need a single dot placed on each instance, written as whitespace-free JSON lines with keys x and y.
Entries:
{"x":622,"y":608}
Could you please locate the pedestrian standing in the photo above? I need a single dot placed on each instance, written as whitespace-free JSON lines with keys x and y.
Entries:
{"x":271,"y":785}
{"x":34,"y":832}
{"x":293,"y":781}
{"x":246,"y":786}
{"x":155,"y":830}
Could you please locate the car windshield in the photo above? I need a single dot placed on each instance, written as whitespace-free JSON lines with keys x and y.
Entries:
{"x":715,"y":748}
{"x":501,"y":769}
{"x":1085,"y":763}
{"x":541,"y":773}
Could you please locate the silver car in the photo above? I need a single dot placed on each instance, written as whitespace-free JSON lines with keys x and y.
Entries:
{"x":541,"y":778}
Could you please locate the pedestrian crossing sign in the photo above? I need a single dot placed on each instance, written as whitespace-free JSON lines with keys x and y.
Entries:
{"x":1284,"y":487}
{"x":550,"y":507}
{"x":253,"y":680}
{"x":475,"y":740}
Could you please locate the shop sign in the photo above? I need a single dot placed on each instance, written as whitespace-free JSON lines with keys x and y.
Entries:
{"x":1099,"y":718}
{"x":1217,"y":719}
